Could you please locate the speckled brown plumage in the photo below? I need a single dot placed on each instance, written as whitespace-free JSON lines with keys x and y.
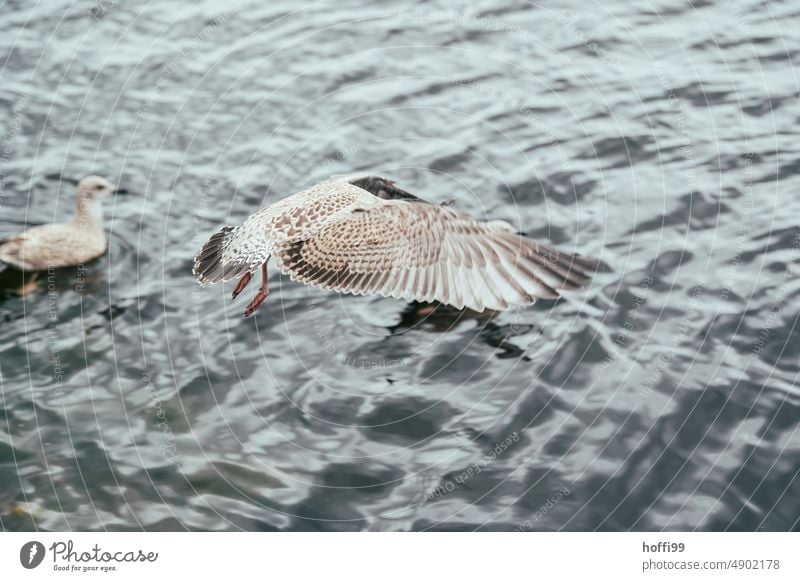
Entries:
{"x":363,"y":235}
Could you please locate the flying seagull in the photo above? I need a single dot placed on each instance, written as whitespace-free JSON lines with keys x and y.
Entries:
{"x":71,"y":243}
{"x":363,"y":235}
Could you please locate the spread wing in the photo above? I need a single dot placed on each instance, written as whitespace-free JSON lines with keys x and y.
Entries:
{"x":424,"y":252}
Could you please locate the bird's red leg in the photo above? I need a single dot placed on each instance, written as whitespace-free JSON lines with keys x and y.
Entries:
{"x":241,"y":284}
{"x":261,"y":294}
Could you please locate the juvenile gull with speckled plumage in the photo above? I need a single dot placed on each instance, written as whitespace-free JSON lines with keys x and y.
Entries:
{"x":364,"y":235}
{"x":68,"y":243}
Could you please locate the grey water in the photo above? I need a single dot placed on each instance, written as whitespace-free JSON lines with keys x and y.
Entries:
{"x":658,"y":136}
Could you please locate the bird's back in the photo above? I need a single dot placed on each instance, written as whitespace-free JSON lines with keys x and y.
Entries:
{"x":53,"y":246}
{"x":306,"y":212}
{"x":233,"y":251}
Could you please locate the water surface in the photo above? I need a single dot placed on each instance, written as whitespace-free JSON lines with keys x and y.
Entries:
{"x":660,"y":137}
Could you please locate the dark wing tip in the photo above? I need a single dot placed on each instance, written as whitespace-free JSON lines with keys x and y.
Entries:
{"x":383,"y":188}
{"x":579,"y":269}
{"x":564,"y":271}
{"x":208,"y":266}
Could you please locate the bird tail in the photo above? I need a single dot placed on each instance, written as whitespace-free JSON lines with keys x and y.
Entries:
{"x":214,"y":263}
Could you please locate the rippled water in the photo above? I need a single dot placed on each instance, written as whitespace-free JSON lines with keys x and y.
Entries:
{"x":661,"y":137}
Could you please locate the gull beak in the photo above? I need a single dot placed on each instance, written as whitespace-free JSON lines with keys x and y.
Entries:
{"x":121,"y":191}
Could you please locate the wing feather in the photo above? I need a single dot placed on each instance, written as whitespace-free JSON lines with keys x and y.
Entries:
{"x":420,"y":251}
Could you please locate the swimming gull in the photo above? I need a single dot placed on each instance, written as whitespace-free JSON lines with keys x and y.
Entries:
{"x":66,"y":244}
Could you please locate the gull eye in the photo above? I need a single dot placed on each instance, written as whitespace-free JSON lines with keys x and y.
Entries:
{"x":98,"y":187}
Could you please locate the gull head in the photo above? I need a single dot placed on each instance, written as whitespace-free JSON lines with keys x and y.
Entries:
{"x":95,"y":188}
